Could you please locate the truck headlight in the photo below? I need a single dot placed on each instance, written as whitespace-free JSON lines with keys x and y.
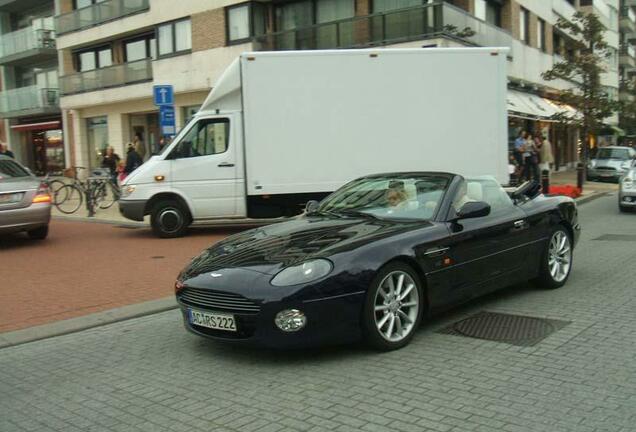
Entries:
{"x":127,"y":190}
{"x":306,"y":272}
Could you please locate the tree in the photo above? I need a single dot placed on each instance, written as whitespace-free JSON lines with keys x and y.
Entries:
{"x":582,"y":69}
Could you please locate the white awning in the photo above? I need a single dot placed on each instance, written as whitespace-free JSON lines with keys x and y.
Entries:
{"x":533,"y":107}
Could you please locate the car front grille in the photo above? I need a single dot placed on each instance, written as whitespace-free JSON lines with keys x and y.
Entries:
{"x":217,"y":300}
{"x":606,"y":169}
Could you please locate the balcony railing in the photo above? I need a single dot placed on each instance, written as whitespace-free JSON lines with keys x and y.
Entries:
{"x":422,"y":22}
{"x":27,"y":99}
{"x":627,"y":19}
{"x":25,"y":39}
{"x":112,"y":76}
{"x":628,"y":50}
{"x":98,"y":13}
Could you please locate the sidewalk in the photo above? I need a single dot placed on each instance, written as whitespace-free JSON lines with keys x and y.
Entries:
{"x":591,"y":189}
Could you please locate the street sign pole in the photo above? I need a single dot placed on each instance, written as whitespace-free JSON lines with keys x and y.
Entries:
{"x":163,"y":97}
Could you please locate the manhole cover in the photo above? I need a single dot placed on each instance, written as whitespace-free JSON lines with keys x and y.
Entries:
{"x":513,"y":329}
{"x":617,"y":237}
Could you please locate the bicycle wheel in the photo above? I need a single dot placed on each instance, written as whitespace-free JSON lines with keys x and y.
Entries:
{"x":72,"y":201}
{"x":54,"y":187}
{"x":106,"y":195}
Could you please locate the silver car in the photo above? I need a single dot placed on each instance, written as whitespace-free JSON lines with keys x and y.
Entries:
{"x":610,"y":163}
{"x":627,"y":191}
{"x":25,"y":203}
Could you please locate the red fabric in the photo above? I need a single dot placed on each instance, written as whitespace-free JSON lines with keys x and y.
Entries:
{"x":567,"y":190}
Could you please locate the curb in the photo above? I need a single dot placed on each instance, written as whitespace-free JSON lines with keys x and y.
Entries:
{"x":98,"y":319}
{"x":591,"y":197}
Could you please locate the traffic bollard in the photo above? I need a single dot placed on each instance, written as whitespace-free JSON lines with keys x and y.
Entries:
{"x":545,"y":181}
{"x":579,"y":175}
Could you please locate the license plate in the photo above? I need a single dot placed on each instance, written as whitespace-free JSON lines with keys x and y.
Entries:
{"x":10,"y":198}
{"x":212,"y":320}
{"x":606,"y":175}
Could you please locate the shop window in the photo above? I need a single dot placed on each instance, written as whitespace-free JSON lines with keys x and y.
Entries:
{"x":174,"y":37}
{"x":94,"y":58}
{"x":97,"y":139}
{"x":245,"y":21}
{"x":140,"y":48}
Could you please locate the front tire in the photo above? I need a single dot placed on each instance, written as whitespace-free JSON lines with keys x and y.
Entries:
{"x":393,"y":308}
{"x":169,"y":219}
{"x":556,"y":262}
{"x":39,"y":233}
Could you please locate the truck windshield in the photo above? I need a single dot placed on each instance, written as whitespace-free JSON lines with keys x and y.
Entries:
{"x":388,"y":197}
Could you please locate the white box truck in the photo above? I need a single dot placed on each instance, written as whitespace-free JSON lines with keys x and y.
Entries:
{"x":281,"y":128}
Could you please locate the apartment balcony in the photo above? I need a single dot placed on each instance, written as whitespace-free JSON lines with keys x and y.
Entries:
{"x":601,"y":10}
{"x":28,"y":101}
{"x":108,"y":77}
{"x":627,"y":23}
{"x":98,"y":13}
{"x":627,"y":56}
{"x":27,"y":45}
{"x":626,"y":91}
{"x":436,"y":20}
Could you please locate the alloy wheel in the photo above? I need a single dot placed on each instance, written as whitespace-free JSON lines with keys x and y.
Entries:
{"x":559,"y":256}
{"x":396,"y":306}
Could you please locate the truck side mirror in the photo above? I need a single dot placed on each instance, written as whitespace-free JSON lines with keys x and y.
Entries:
{"x":311,"y":206}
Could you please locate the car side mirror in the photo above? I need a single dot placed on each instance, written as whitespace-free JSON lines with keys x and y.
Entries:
{"x":311,"y":206}
{"x":473,"y":209}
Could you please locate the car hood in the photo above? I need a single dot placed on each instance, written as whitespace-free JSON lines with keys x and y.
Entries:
{"x":269,"y":249}
{"x":609,"y":163}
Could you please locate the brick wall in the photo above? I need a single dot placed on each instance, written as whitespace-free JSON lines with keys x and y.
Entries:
{"x":67,"y":66}
{"x":549,"y":40}
{"x":66,"y":6}
{"x":363,"y":7}
{"x":510,"y":17}
{"x":208,"y":30}
{"x":532,"y":30}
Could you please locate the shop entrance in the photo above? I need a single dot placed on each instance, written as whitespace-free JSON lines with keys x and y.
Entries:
{"x":145,"y":128}
{"x":48,"y":151}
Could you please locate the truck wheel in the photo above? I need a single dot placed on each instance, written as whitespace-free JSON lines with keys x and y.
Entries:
{"x":169,"y":219}
{"x":39,"y":233}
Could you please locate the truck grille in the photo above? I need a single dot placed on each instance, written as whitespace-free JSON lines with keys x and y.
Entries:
{"x":217,"y":300}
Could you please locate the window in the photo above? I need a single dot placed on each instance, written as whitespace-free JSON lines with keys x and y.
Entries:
{"x":557,"y":42}
{"x":245,"y":21}
{"x":541,"y":35}
{"x":94,"y":58}
{"x":205,"y":137}
{"x":333,"y":10}
{"x":97,"y":137}
{"x":140,"y":48}
{"x":486,"y":190}
{"x":387,"y":5}
{"x":189,"y":112}
{"x":489,"y":11}
{"x":524,"y":21}
{"x":174,"y":37}
{"x":79,"y":4}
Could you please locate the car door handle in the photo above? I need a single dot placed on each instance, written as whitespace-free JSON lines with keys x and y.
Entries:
{"x":225,"y":165}
{"x":434,"y":252}
{"x":520,"y":224}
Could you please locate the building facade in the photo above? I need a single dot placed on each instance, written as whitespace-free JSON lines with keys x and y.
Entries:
{"x":112,"y":52}
{"x":29,"y":95}
{"x":627,"y":64}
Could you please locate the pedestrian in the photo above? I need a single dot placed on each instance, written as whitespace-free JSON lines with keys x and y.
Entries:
{"x":110,"y":161}
{"x":530,"y":159}
{"x":140,"y":147}
{"x":545,"y":154}
{"x":520,"y":146}
{"x":133,"y":160}
{"x":4,"y":150}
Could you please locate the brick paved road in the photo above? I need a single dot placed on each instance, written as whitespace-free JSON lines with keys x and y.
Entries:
{"x":84,"y":268}
{"x":148,"y":374}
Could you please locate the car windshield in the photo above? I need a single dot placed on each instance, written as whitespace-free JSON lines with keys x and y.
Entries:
{"x":10,"y":169}
{"x":612,"y":153}
{"x":391,"y":197}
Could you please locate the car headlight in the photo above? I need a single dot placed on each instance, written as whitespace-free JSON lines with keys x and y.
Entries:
{"x":127,"y":190}
{"x":628,"y":183}
{"x":306,"y":272}
{"x":591,"y":164}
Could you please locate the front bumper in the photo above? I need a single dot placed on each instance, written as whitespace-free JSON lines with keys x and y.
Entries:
{"x":627,"y":198}
{"x":132,"y":209}
{"x":25,"y":219}
{"x":331,"y":320}
{"x":599,"y":174}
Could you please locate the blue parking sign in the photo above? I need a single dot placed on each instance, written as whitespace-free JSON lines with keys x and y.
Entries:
{"x":163,"y":95}
{"x":167,"y":120}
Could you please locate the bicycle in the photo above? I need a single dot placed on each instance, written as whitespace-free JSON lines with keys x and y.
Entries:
{"x":54,"y":186}
{"x":100,"y":190}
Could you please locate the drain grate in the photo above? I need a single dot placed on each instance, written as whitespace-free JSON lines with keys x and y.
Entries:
{"x":617,"y":237}
{"x":512,"y":329}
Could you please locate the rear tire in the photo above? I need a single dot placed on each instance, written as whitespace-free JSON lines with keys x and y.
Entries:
{"x":39,"y":233}
{"x":68,"y":199}
{"x":391,"y":316}
{"x":556,"y":262}
{"x":169,"y":219}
